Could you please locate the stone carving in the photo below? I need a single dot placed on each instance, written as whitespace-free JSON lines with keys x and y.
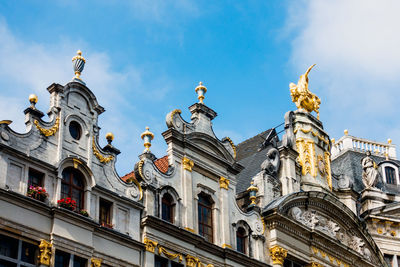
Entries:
{"x":272,"y":162}
{"x":301,"y":95}
{"x":45,"y":252}
{"x":314,"y":220}
{"x":95,"y":262}
{"x":278,"y":254}
{"x":370,"y":173}
{"x":288,"y":139}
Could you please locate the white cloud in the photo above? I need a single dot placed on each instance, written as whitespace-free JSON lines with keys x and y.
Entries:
{"x":356,"y":47}
{"x":27,"y":67}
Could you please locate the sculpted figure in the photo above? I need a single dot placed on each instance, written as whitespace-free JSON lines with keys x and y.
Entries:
{"x":302,"y":97}
{"x":271,"y":164}
{"x":370,"y":173}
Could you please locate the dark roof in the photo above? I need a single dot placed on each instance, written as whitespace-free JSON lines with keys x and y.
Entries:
{"x":249,"y":157}
{"x":349,"y":164}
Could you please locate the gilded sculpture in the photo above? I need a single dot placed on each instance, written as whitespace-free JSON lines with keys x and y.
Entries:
{"x":278,"y":254}
{"x":301,"y":95}
{"x":45,"y":252}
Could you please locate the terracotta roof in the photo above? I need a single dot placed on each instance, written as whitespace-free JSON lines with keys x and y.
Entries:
{"x":162,"y":164}
{"x":128,"y":176}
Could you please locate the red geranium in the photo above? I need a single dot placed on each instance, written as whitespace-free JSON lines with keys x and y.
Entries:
{"x":67,"y":203}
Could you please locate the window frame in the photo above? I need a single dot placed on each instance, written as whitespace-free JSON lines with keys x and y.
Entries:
{"x":170,"y":204}
{"x":33,"y":172}
{"x":202,"y":225}
{"x":396,"y":173}
{"x":81,"y":204}
{"x":18,"y":260}
{"x":241,"y":233}
{"x":110,"y":205}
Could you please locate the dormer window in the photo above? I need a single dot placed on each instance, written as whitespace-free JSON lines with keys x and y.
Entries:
{"x":390,"y":174}
{"x":167,"y":208}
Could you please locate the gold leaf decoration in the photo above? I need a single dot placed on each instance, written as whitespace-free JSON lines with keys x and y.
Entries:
{"x":99,"y":156}
{"x":48,"y":132}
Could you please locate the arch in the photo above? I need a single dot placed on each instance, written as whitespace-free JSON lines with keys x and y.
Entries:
{"x":85,"y":93}
{"x":80,"y":165}
{"x":242,"y":235}
{"x":390,"y":173}
{"x":73,"y":186}
{"x":175,"y":202}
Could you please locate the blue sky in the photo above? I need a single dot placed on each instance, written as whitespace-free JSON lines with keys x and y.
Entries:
{"x":144,"y":59}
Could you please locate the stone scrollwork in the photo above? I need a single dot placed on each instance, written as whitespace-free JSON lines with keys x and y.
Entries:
{"x":169,"y":255}
{"x":223,"y":183}
{"x":187,"y":164}
{"x":150,"y":245}
{"x":99,"y":156}
{"x":45,"y":252}
{"x":95,"y":262}
{"x":278,"y":254}
{"x":48,"y":132}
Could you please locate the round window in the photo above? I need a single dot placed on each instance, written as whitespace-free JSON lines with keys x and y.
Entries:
{"x":75,"y":130}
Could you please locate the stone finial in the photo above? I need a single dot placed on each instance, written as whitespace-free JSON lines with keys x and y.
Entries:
{"x":389,"y":141}
{"x":33,"y":99}
{"x":109,"y":137}
{"x":147,"y":136}
{"x":78,"y":64}
{"x":201,"y":90}
{"x":346,"y":132}
{"x":253,"y":192}
{"x":278,"y":254}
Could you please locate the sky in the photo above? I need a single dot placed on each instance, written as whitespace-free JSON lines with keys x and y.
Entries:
{"x":145,"y":58}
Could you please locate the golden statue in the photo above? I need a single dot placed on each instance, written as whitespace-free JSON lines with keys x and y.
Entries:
{"x":304,"y":99}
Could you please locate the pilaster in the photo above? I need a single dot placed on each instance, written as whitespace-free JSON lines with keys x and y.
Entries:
{"x":278,"y":255}
{"x":187,"y":193}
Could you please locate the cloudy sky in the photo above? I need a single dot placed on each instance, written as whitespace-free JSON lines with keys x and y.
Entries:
{"x":144,"y":59}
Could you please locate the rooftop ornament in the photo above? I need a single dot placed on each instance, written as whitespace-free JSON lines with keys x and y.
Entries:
{"x":147,"y":136}
{"x":78,"y":64}
{"x":302,"y":97}
{"x":109,"y":137}
{"x":252,"y":192}
{"x":33,"y":99}
{"x":201,"y":90}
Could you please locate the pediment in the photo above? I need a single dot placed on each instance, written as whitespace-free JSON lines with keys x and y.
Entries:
{"x":210,"y":145}
{"x":331,"y":219}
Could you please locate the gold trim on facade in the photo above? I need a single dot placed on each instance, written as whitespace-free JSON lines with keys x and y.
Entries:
{"x":328,"y":169}
{"x":187,"y":164}
{"x":169,"y":255}
{"x":175,"y":111}
{"x":150,"y":245}
{"x":233,"y":146}
{"x":8,"y":122}
{"x":223,"y":182}
{"x":314,"y":133}
{"x":192,"y":261}
{"x":95,"y":262}
{"x":48,"y":132}
{"x":44,"y":252}
{"x":226,"y":246}
{"x":314,"y":264}
{"x":140,"y":168}
{"x":278,"y":254}
{"x":321,"y":254}
{"x":307,"y":158}
{"x":99,"y":156}
{"x":190,"y":230}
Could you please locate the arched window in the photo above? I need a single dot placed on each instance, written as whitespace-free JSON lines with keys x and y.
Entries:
{"x":241,"y":240}
{"x":205,"y":217}
{"x":72,"y":186}
{"x":390,"y":175}
{"x":167,"y":208}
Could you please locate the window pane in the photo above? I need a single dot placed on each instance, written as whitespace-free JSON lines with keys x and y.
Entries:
{"x":8,"y":246}
{"x":62,"y":259}
{"x":160,"y":262}
{"x":4,"y":263}
{"x":79,"y":262}
{"x":175,"y":264}
{"x":390,"y":175}
{"x":77,"y":196}
{"x":28,"y":252}
{"x":35,"y":178}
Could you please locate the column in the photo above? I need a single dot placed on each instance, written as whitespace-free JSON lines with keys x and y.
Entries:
{"x":224,"y":202}
{"x":187,"y":193}
{"x":278,"y":255}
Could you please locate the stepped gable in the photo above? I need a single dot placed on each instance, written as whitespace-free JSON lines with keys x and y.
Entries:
{"x":249,"y":156}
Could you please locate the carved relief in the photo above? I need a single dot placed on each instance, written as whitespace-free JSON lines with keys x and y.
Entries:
{"x":223,"y":183}
{"x":187,"y":164}
{"x":307,"y":158}
{"x":45,"y":252}
{"x":99,"y":156}
{"x":272,"y":162}
{"x":278,"y":254}
{"x":314,"y":220}
{"x":150,"y":245}
{"x":48,"y":132}
{"x":95,"y":262}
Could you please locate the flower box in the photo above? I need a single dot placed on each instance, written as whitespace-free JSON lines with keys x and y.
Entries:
{"x":67,"y":203}
{"x":107,"y":225}
{"x":37,"y":192}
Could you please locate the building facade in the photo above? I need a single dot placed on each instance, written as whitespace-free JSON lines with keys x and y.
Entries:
{"x":299,"y":200}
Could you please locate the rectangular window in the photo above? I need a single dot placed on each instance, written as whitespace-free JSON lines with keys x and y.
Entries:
{"x":14,"y":252}
{"x":79,"y":262}
{"x":291,"y":263}
{"x":388,"y":259}
{"x":105,"y":213}
{"x":162,"y":262}
{"x":62,"y":259}
{"x":35,"y":178}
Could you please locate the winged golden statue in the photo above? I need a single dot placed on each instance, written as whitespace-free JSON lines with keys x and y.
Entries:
{"x":302,"y":97}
